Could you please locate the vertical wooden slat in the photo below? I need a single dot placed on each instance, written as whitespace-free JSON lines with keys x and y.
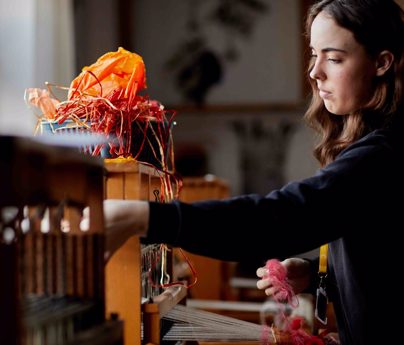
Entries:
{"x":98,"y":269}
{"x":74,"y":253}
{"x":132,"y":187}
{"x":74,"y":217}
{"x":9,"y":300}
{"x":144,"y":190}
{"x":96,"y":245}
{"x":28,"y":243}
{"x":48,"y":257}
{"x":39,"y":260}
{"x":123,"y":271}
{"x":22,"y":270}
{"x":61,"y":264}
{"x":80,"y":265}
{"x":69,"y":249}
{"x":53,"y":251}
{"x":115,"y":186}
{"x":85,"y":264}
{"x":90,"y":260}
{"x":54,"y":263}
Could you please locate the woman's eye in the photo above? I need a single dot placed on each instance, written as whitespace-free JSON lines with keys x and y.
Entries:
{"x":334,"y":60}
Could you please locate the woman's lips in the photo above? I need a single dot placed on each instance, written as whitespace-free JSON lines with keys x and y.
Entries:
{"x":324,"y":94}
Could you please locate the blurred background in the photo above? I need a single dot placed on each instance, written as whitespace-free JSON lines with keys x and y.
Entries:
{"x":233,"y":70}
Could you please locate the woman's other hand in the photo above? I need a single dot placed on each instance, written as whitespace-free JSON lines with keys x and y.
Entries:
{"x":297,"y":275}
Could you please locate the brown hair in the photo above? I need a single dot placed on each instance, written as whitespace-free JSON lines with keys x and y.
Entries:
{"x":377,"y":25}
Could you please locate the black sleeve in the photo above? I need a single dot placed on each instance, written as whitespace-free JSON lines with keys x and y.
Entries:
{"x":297,"y":218}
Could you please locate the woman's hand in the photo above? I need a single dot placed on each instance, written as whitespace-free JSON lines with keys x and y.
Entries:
{"x":297,"y":275}
{"x":123,"y":219}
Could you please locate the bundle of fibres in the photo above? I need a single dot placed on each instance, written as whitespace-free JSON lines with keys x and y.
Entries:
{"x":104,"y":99}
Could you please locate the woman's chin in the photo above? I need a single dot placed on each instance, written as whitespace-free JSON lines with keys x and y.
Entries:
{"x":335,"y":110}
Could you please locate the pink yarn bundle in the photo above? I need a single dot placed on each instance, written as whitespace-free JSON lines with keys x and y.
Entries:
{"x":283,"y":291}
{"x":299,"y":336}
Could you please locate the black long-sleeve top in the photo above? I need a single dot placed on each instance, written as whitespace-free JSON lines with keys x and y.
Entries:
{"x":354,"y":203}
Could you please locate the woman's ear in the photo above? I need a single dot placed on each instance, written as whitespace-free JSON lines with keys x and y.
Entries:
{"x":384,"y":62}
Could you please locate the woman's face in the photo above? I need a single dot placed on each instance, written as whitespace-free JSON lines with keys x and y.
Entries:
{"x":343,"y":71}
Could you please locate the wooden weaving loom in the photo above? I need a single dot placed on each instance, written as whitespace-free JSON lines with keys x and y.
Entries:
{"x":128,"y":290}
{"x":151,"y":317}
{"x":51,"y":273}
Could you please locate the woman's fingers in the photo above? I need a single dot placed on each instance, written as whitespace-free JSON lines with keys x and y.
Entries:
{"x":262,"y":271}
{"x":263,"y":284}
{"x":266,"y":284}
{"x":270,"y":291}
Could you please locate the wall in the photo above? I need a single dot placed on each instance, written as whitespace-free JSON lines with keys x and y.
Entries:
{"x":36,"y":40}
{"x":268,"y":67}
{"x":251,"y":149}
{"x":37,"y":46}
{"x":255,"y":152}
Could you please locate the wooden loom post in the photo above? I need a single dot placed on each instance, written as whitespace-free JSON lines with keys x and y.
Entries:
{"x":153,"y":312}
{"x":151,"y":319}
{"x":127,"y":179}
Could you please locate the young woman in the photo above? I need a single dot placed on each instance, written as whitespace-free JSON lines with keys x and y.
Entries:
{"x":352,"y":202}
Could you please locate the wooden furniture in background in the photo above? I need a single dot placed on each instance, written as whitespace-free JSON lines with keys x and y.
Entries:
{"x":212,"y":274}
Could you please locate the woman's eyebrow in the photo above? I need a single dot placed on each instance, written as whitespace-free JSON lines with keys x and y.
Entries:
{"x":330,"y":49}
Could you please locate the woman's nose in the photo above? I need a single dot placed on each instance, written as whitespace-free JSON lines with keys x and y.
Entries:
{"x":316,"y":72}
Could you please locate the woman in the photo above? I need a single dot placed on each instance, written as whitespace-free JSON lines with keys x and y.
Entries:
{"x":357,"y":76}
